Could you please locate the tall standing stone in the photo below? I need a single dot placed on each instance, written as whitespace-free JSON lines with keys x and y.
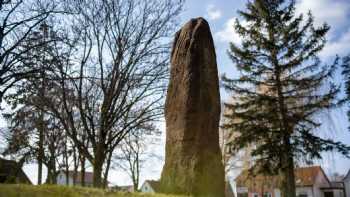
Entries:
{"x":193,"y":158}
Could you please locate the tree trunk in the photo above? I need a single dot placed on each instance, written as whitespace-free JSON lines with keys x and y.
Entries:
{"x":49,"y":178}
{"x":76,"y":165}
{"x":51,"y":167}
{"x":66,"y":161}
{"x":135,"y":179}
{"x":136,"y":173}
{"x":40,"y":148}
{"x":41,"y":127}
{"x":287,"y":164}
{"x":82,"y":166}
{"x":287,"y":171}
{"x":105,"y":176}
{"x":49,"y":175}
{"x":98,"y":166}
{"x":97,"y":179}
{"x":40,"y":170}
{"x":67,"y":176}
{"x":53,"y":172}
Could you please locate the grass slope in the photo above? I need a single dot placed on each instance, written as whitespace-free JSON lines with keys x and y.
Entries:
{"x":63,"y":191}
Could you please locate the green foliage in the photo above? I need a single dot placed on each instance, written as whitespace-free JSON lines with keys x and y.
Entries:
{"x":63,"y":191}
{"x":346,"y":75}
{"x":282,"y":86}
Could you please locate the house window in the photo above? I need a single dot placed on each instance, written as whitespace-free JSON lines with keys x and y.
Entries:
{"x":328,"y":194}
{"x":255,"y":195}
{"x":267,"y":194}
{"x":302,"y":195}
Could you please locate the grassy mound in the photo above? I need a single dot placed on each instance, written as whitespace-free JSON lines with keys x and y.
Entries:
{"x":63,"y":191}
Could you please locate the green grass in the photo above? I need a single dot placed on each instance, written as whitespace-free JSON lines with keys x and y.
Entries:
{"x":64,"y":191}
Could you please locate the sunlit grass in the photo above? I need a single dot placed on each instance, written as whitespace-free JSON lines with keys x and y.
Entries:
{"x":64,"y":191}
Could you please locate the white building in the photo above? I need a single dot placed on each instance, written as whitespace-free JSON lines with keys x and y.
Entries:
{"x":62,"y":178}
{"x":346,"y":182}
{"x":310,"y":182}
{"x":123,"y":188}
{"x":150,"y":186}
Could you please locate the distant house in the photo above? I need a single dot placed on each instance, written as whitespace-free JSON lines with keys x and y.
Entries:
{"x":228,"y":190}
{"x":62,"y":178}
{"x":310,"y":182}
{"x":11,"y":172}
{"x":346,"y":182}
{"x":337,"y":188}
{"x":124,"y":188}
{"x":150,"y":186}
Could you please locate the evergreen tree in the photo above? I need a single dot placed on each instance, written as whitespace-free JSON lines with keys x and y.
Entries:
{"x":281,"y":89}
{"x":346,"y":75}
{"x":33,"y":132}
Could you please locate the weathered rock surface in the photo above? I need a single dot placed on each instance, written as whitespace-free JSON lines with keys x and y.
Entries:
{"x":193,"y":158}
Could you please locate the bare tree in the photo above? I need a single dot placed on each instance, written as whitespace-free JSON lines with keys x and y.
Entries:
{"x":110,"y":69}
{"x":18,"y":20}
{"x":116,"y":78}
{"x":134,"y":150}
{"x":30,"y":114}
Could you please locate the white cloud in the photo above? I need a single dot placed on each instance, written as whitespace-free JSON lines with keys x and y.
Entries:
{"x":228,"y":33}
{"x":338,"y":47}
{"x":213,"y":13}
{"x":335,"y":13}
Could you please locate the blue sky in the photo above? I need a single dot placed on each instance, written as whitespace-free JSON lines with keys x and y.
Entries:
{"x":220,"y":15}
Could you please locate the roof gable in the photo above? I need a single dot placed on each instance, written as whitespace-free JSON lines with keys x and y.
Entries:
{"x":347,"y":176}
{"x":12,"y":168}
{"x":305,"y":176}
{"x":308,"y":176}
{"x":155,"y":185}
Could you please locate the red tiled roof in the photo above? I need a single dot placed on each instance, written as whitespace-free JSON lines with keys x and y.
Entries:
{"x":305,"y":176}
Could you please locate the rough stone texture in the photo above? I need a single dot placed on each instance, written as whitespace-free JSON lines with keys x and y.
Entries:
{"x":193,"y":159}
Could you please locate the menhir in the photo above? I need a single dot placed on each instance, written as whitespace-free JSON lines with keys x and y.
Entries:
{"x":193,"y":158}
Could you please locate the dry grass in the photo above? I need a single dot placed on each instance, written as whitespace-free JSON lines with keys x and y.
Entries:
{"x":63,"y":191}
